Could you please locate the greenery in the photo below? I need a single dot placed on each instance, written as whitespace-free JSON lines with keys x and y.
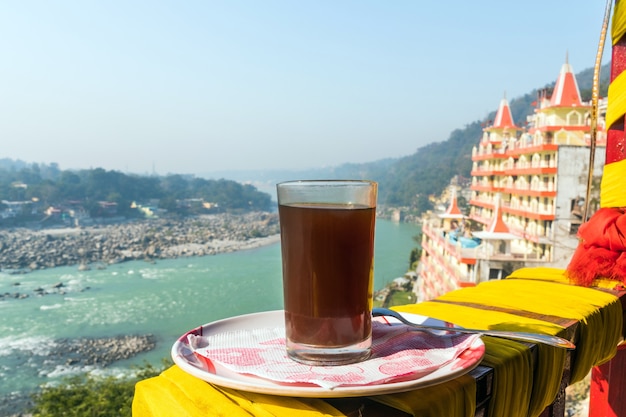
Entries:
{"x":404,"y":182}
{"x":412,"y":179}
{"x":398,"y":298}
{"x":414,"y":258}
{"x":407,"y":182}
{"x":48,"y":186}
{"x":85,"y":395}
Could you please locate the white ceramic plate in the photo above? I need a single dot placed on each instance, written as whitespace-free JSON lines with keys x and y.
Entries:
{"x":184,"y":358}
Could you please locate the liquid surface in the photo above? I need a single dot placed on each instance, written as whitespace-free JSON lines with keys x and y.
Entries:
{"x":328,"y":266}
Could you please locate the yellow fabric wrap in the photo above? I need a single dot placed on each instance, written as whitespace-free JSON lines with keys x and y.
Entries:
{"x":617,"y":99}
{"x":617,"y":90}
{"x":512,"y":364}
{"x":517,"y":388}
{"x":599,"y":313}
{"x":456,"y":398}
{"x":521,"y":388}
{"x":557,"y":275}
{"x":613,"y":178}
{"x":618,"y":27}
{"x":176,"y":393}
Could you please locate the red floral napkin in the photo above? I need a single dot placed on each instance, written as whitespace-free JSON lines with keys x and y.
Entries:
{"x":399,"y":353}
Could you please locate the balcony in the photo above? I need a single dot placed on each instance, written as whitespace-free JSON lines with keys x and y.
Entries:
{"x":531,"y":191}
{"x":486,"y":186}
{"x":540,"y":212}
{"x":521,"y":148}
{"x":532,"y":170}
{"x":484,"y":154}
{"x":487,"y":171}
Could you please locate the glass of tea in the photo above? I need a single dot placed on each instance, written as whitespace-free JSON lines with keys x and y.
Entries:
{"x":327,"y":243}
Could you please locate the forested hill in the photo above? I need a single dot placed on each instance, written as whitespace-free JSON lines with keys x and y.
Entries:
{"x":409,"y":181}
{"x":86,"y":190}
{"x":406,"y":181}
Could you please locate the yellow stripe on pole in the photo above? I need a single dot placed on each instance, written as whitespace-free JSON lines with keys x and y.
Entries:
{"x":617,"y":100}
{"x":619,"y":21}
{"x":612,"y":190}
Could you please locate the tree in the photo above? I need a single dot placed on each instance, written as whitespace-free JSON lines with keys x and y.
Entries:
{"x":414,"y":258}
{"x":92,"y":396}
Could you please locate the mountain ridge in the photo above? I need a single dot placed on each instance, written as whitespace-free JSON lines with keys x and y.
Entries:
{"x":406,"y":181}
{"x":411,"y":179}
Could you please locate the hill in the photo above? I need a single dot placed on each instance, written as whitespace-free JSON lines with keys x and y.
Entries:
{"x":410,"y":180}
{"x":429,"y":170}
{"x":406,"y":181}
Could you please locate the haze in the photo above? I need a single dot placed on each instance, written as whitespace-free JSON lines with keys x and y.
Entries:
{"x":201,"y":86}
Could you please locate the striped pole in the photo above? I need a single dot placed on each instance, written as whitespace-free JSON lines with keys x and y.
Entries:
{"x":613,"y":191}
{"x":601,"y":253}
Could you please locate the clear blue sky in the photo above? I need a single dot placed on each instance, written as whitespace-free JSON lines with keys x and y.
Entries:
{"x":197,"y":86}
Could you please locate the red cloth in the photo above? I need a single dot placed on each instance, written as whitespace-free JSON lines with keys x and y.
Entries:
{"x":601,"y":252}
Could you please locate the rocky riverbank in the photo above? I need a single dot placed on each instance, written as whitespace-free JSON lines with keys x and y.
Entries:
{"x":81,"y":354}
{"x":24,"y":250}
{"x":100,"y":351}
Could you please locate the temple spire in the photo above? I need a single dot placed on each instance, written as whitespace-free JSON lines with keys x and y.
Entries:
{"x":566,"y":92}
{"x":453,"y":208}
{"x":504,"y":118}
{"x":497,"y":224}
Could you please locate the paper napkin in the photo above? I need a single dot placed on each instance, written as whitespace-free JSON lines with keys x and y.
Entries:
{"x":399,"y":353}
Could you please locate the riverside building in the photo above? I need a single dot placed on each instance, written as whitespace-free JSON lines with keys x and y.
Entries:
{"x":527,"y":196}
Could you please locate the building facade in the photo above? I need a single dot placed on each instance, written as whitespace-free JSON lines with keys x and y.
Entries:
{"x":528,"y":193}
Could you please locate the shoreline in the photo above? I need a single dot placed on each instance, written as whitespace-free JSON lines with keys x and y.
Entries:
{"x":26,"y":250}
{"x":85,"y":353}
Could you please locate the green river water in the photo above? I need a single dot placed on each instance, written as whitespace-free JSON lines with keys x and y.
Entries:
{"x":165,"y":299}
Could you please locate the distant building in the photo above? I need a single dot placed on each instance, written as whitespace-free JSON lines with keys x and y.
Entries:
{"x":12,"y":209}
{"x":148,"y":210}
{"x":107,"y":208}
{"x":527,"y":193}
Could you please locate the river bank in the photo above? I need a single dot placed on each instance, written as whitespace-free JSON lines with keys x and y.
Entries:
{"x":161,"y":297}
{"x":23,"y":250}
{"x":89,"y":354}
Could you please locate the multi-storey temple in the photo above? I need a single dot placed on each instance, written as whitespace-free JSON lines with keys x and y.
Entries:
{"x":527,"y":195}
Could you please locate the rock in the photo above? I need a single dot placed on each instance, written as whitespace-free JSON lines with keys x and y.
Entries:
{"x":24,"y":249}
{"x":101,"y":351}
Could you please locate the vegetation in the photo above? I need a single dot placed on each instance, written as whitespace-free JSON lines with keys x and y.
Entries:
{"x":416,"y":252}
{"x":410,"y":181}
{"x":407,"y":181}
{"x":86,"y":395}
{"x":48,"y":186}
{"x":404,"y":182}
{"x":398,"y":298}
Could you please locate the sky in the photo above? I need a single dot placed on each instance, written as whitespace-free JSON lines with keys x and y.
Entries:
{"x":192,"y":87}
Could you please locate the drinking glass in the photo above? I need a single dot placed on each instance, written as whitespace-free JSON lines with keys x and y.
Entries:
{"x":327,"y":243}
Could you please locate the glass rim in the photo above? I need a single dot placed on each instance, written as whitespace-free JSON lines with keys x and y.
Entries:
{"x":327,"y":182}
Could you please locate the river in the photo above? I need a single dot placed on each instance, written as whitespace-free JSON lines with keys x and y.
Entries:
{"x":166,"y":299}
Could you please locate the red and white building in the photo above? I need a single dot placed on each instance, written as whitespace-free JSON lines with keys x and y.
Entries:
{"x":527,"y":195}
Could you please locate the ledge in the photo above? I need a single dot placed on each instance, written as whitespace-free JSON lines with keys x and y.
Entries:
{"x":514,"y":378}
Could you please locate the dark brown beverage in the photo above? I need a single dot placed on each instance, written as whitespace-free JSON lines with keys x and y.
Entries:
{"x":328,"y":267}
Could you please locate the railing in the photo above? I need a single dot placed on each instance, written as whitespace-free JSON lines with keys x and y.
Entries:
{"x":607,"y":386}
{"x":540,"y":303}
